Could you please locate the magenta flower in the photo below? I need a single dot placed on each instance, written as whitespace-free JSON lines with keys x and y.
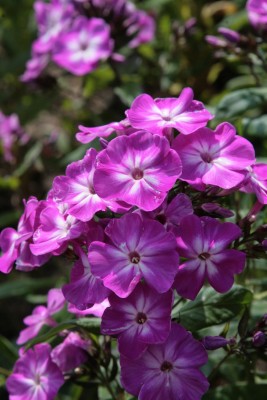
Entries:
{"x":85,"y":289}
{"x":137,"y":249}
{"x":256,"y":182}
{"x":97,"y":310}
{"x":35,"y":376}
{"x":56,"y":229}
{"x":257,"y":13}
{"x":204,"y":243}
{"x":42,"y":315}
{"x":171,"y":214}
{"x":138,"y":169}
{"x":71,"y":353}
{"x":16,"y":244}
{"x":35,"y":66}
{"x":214,"y":157}
{"x":184,"y":114}
{"x":52,"y":19}
{"x":76,"y":188}
{"x":10,"y":133}
{"x":88,"y":134}
{"x":80,"y":50}
{"x":167,"y":371}
{"x":136,"y":319}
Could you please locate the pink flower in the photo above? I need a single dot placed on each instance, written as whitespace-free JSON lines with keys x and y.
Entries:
{"x":204,"y":242}
{"x":52,"y":19}
{"x":256,"y":182}
{"x":167,"y":371}
{"x":97,"y":310}
{"x":16,"y":244}
{"x":71,"y":353}
{"x":55,"y":231}
{"x":138,"y":169}
{"x":184,"y":114}
{"x":80,"y":50}
{"x":42,"y":315}
{"x":35,"y":376}
{"x":35,"y":66}
{"x":137,"y":249}
{"x":77,"y":190}
{"x":257,"y":13}
{"x":87,"y":134}
{"x":136,"y":319}
{"x":10,"y":133}
{"x":214,"y":157}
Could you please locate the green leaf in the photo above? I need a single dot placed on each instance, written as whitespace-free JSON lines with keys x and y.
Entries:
{"x":256,"y":126}
{"x":92,"y":325}
{"x":211,"y":308}
{"x":51,"y":333}
{"x":24,"y":287}
{"x":239,"y":102}
{"x":239,"y":391}
{"x":8,"y":352}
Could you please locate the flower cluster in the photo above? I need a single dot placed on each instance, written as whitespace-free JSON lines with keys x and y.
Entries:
{"x":10,"y":133}
{"x":142,"y":220}
{"x":76,"y":35}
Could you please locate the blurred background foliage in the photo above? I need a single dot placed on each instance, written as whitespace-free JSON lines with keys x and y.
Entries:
{"x":233,"y":87}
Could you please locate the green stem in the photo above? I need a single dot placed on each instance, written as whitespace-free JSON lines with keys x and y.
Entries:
{"x":216,"y":368}
{"x":4,"y":371}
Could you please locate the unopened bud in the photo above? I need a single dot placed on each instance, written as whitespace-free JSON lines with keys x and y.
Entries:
{"x":216,"y":342}
{"x":258,"y":339}
{"x":229,"y":34}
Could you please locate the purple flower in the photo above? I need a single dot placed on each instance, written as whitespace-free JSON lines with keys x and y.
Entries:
{"x":16,"y":244}
{"x":88,"y":134}
{"x":80,"y":50}
{"x":203,"y":242}
{"x":256,"y":182}
{"x":76,"y":188}
{"x":52,"y":19}
{"x":138,"y":169}
{"x":167,"y":371}
{"x":35,"y":376}
{"x":171,"y":214}
{"x":214,"y":157}
{"x":42,"y":315}
{"x":157,"y":116}
{"x":56,"y":229}
{"x":71,"y":353}
{"x":141,"y":27}
{"x":229,"y":34}
{"x":97,"y":310}
{"x":257,"y":13}
{"x":136,"y":319}
{"x":137,"y":249}
{"x":35,"y":66}
{"x":10,"y":133}
{"x":85,"y":289}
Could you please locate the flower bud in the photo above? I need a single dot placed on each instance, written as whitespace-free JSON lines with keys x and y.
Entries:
{"x":216,"y":342}
{"x":229,"y":34}
{"x":258,"y":339}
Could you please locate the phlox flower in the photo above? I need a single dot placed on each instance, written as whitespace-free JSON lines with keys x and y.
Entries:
{"x":35,"y":376}
{"x":10,"y":133}
{"x":97,"y":309}
{"x":80,"y":50}
{"x":204,"y":243}
{"x":52,"y":19}
{"x":15,"y":244}
{"x":88,"y":134}
{"x":137,"y":249}
{"x":55,"y":230}
{"x":71,"y":353}
{"x":256,"y":182}
{"x":85,"y":289}
{"x":77,"y":190}
{"x":156,"y":116}
{"x":216,"y":158}
{"x":35,"y":66}
{"x":42,"y":315}
{"x":257,"y":13}
{"x":170,"y":214}
{"x":167,"y":371}
{"x":136,"y":319}
{"x":138,"y":169}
